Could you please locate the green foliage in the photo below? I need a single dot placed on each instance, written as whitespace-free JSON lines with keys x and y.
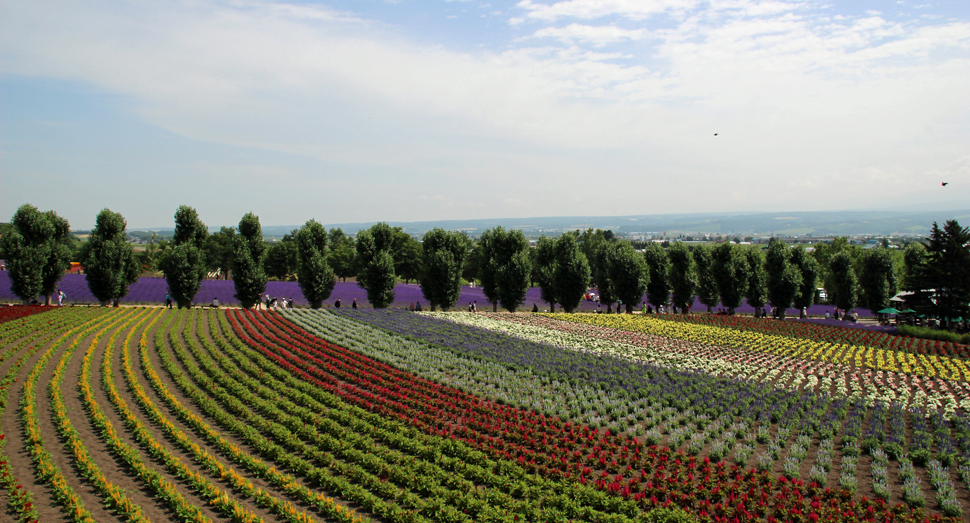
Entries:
{"x":342,"y":254}
{"x":184,"y":264}
{"x":443,"y":257}
{"x":407,"y":256}
{"x":784,"y":277}
{"x":757,"y":292}
{"x":930,"y":333}
{"x":672,"y":514}
{"x":877,"y":281}
{"x":731,"y":274}
{"x":658,"y":264}
{"x":707,"y":289}
{"x":571,"y":272}
{"x":683,"y":277}
{"x":38,"y":248}
{"x":376,"y":273}
{"x":601,"y":274}
{"x":845,"y":286}
{"x":219,"y":251}
{"x":914,"y":258}
{"x":543,"y":269}
{"x":946,"y":270}
{"x":282,"y":258}
{"x":627,"y":272}
{"x":315,"y":276}
{"x":248,"y":251}
{"x":108,"y":259}
{"x":504,"y":267}
{"x":810,"y":271}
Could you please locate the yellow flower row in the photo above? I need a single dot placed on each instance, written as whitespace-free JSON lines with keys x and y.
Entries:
{"x":841,"y":353}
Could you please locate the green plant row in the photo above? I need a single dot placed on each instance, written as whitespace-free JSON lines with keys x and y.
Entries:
{"x":47,"y":471}
{"x":451,"y":454}
{"x":928,"y":333}
{"x":406,"y":460}
{"x":19,"y":500}
{"x":243,"y":424}
{"x":206,"y":460}
{"x":228,"y":506}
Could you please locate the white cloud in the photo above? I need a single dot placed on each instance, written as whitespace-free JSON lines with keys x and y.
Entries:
{"x":802,"y":102}
{"x":592,"y":9}
{"x":596,"y":35}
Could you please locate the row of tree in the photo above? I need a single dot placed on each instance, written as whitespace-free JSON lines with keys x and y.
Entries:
{"x":39,"y":246}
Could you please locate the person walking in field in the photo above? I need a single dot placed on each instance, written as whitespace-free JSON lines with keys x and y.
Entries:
{"x":336,"y":304}
{"x":354,"y":305}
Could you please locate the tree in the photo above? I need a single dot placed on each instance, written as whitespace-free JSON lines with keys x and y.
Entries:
{"x":731,"y":273}
{"x":562,"y":271}
{"x":38,"y":246}
{"x":877,"y":280}
{"x":571,"y":273}
{"x":109,"y":260}
{"x":944,"y":274}
{"x":407,"y":256}
{"x":375,"y":259}
{"x":219,"y":251}
{"x":784,"y":278}
{"x":658,"y":264}
{"x":505,"y":267}
{"x":282,"y":258}
{"x":683,"y":278}
{"x":342,"y":254}
{"x":444,"y":256}
{"x":601,"y":274}
{"x":315,"y":277}
{"x":248,"y":250}
{"x":914,"y":258}
{"x":707,"y":290}
{"x":810,"y":271}
{"x":627,"y":272}
{"x":184,"y":264}
{"x":757,"y":292}
{"x":543,"y":271}
{"x":845,"y":287}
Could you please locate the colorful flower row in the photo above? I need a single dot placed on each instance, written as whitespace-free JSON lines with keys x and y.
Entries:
{"x":584,"y":455}
{"x":825,"y":333}
{"x":20,"y":311}
{"x":842,"y":353}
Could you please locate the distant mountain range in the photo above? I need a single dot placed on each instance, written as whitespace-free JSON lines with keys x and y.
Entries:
{"x":820,"y":223}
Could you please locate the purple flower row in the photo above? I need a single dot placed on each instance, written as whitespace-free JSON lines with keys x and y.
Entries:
{"x":153,"y":290}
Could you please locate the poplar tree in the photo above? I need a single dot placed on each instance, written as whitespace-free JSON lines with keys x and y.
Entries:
{"x":109,"y":260}
{"x":731,"y":273}
{"x":248,"y":254}
{"x":784,"y":278}
{"x":376,"y":271}
{"x":757,"y":291}
{"x":658,"y":265}
{"x":38,"y":251}
{"x":184,"y":264}
{"x":443,"y":256}
{"x":683,"y":277}
{"x":707,"y":290}
{"x":314,"y":275}
{"x":504,"y":267}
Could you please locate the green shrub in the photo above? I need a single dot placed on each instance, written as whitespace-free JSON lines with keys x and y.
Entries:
{"x":668,"y":515}
{"x":928,"y":333}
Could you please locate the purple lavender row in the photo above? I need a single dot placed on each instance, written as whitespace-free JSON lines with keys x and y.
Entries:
{"x":153,"y":290}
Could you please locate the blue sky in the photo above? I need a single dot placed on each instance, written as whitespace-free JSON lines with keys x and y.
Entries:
{"x":374,"y":110}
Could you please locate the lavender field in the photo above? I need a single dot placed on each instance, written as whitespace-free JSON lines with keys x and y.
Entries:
{"x":152,"y":290}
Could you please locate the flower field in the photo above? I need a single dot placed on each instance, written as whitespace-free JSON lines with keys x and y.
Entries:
{"x":150,"y":414}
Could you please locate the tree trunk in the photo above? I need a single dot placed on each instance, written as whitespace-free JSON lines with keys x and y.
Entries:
{"x":731,"y":311}
{"x":609,"y":308}
{"x":781,"y":314}
{"x":494,"y":306}
{"x":629,"y":308}
{"x":47,"y":299}
{"x":710,"y":309}
{"x":552,"y":307}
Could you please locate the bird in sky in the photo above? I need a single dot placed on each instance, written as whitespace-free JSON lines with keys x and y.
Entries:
{"x":715,"y":134}
{"x":944,"y":183}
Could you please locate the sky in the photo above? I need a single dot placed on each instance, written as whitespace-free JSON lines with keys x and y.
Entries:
{"x":354,"y":111}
